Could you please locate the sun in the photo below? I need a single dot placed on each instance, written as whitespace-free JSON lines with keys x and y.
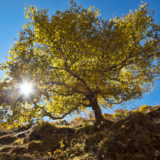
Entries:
{"x":26,"y":88}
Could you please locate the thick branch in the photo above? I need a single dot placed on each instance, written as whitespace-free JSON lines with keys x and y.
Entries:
{"x":48,"y":114}
{"x":71,"y":91}
{"x":79,"y":78}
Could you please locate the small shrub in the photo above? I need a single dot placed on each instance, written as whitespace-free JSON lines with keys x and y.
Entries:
{"x":19,"y":141}
{"x":144,"y":108}
{"x":108,"y":116}
{"x":119,"y":114}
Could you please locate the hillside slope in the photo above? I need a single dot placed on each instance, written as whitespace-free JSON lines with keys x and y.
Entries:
{"x":136,"y":137}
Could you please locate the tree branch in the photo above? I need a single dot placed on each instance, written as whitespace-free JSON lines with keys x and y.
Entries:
{"x":48,"y":114}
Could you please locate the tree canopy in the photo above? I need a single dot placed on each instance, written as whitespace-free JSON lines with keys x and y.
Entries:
{"x":75,"y":60}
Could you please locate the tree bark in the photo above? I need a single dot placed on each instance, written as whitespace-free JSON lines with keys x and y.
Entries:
{"x":97,"y":110}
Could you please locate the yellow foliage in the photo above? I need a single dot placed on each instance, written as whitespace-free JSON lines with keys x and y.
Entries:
{"x":77,"y":60}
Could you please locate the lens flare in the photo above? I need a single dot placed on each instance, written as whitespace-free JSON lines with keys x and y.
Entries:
{"x":26,"y":88}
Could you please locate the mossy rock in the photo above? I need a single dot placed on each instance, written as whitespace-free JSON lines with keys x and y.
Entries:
{"x":47,"y":129}
{"x":3,"y":132}
{"x":19,"y":150}
{"x":36,"y":146}
{"x":7,"y":139}
{"x":6,"y":149}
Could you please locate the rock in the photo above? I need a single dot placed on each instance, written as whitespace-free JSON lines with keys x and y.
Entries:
{"x":19,"y":150}
{"x":7,"y":139}
{"x":6,"y":149}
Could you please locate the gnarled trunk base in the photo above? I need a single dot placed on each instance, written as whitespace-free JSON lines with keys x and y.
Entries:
{"x":97,"y":110}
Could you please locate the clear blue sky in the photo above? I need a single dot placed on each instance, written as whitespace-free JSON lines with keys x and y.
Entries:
{"x":12,"y":19}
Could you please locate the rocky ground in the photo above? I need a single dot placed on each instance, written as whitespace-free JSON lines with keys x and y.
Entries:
{"x":136,"y":137}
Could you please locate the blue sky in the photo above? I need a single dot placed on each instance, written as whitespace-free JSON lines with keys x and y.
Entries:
{"x":12,"y":19}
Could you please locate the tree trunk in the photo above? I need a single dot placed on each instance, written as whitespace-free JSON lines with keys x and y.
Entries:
{"x":97,"y":110}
